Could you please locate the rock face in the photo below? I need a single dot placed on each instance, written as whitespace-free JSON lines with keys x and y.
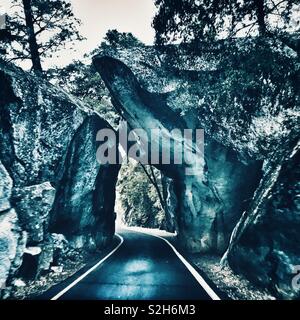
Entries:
{"x":204,"y":220}
{"x":272,"y":240}
{"x":5,"y":188}
{"x":33,"y":205}
{"x":245,"y":195}
{"x":243,"y":199}
{"x":85,"y":184}
{"x":10,"y":234}
{"x":233,"y":182}
{"x":50,"y":180}
{"x":252,"y":119}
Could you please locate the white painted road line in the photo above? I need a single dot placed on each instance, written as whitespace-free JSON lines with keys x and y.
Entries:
{"x":191,"y":269}
{"x":61,"y":293}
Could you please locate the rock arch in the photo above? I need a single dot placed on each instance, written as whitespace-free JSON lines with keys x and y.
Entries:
{"x":207,"y":206}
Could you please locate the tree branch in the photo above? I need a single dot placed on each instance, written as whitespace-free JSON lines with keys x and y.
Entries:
{"x":152,"y":178}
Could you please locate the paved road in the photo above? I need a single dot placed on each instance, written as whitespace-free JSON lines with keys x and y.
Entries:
{"x":143,"y":268}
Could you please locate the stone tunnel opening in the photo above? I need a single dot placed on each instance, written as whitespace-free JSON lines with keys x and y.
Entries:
{"x":144,"y":198}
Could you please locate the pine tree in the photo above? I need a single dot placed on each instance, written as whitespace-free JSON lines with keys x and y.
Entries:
{"x":189,"y":20}
{"x":41,"y":28}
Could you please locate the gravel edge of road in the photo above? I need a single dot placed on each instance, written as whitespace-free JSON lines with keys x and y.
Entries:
{"x":235,"y":286}
{"x":41,"y":286}
{"x":230,"y":285}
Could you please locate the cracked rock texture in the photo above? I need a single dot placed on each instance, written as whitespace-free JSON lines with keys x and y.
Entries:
{"x":51,"y":185}
{"x":248,"y":185}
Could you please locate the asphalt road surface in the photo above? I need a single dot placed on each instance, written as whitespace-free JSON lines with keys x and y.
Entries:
{"x":143,"y":267}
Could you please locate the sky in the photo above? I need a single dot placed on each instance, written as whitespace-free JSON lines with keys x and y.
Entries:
{"x":98,"y":16}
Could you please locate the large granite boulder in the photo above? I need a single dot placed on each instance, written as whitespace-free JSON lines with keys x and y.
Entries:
{"x":12,"y":245}
{"x":33,"y":204}
{"x":50,"y":179}
{"x":207,"y":205}
{"x":243,"y":196}
{"x":5,"y":188}
{"x":267,"y":252}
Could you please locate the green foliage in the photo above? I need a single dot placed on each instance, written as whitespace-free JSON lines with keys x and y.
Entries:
{"x":79,"y":79}
{"x":189,"y":20}
{"x":139,"y":198}
{"x":254,"y":77}
{"x":84,"y":82}
{"x":115,"y":40}
{"x":55,"y":27}
{"x":245,"y":92}
{"x":125,"y":40}
{"x":238,"y":62}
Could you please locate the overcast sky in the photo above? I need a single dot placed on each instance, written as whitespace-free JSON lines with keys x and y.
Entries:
{"x":98,"y":16}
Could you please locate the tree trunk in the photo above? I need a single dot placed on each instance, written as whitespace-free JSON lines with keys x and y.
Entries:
{"x":151,"y":177}
{"x":260,"y":12}
{"x":33,"y":46}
